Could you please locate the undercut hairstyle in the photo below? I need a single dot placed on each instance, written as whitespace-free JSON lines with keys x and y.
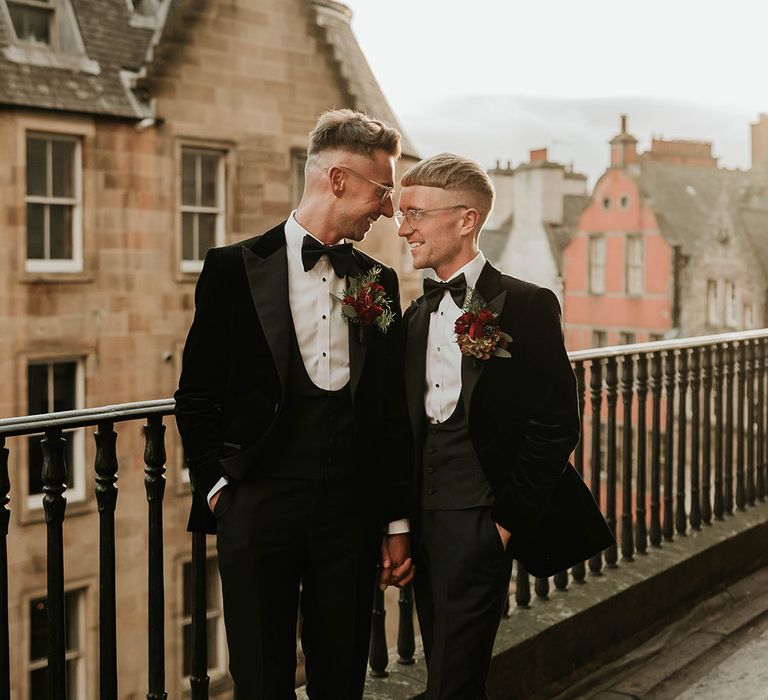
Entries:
{"x":454,"y":174}
{"x":351,"y":131}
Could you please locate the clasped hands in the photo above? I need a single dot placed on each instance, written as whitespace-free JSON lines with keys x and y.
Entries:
{"x":397,"y":567}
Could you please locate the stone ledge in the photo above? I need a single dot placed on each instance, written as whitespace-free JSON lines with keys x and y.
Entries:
{"x":538,"y":649}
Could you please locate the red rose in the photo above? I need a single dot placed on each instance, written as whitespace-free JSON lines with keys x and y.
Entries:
{"x":377,"y":288}
{"x":485,"y":316}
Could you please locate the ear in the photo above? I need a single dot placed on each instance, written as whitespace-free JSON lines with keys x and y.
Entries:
{"x":336,"y":180}
{"x":470,"y":221}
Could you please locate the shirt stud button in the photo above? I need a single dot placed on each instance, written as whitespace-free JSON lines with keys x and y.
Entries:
{"x":324,"y":279}
{"x":324,"y":355}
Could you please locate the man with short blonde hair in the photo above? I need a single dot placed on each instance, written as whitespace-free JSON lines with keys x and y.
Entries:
{"x":278,"y":400}
{"x":493,"y":411}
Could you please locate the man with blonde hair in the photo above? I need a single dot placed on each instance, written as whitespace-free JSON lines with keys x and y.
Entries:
{"x":291,"y":411}
{"x":493,"y":410}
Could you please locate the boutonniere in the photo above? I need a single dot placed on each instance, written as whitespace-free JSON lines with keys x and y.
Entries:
{"x":365,"y":302}
{"x":477,"y":330}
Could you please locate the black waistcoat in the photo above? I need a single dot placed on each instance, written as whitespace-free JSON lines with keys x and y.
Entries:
{"x":453,"y":478}
{"x":315,"y":436}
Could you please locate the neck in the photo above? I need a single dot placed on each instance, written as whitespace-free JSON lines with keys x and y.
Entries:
{"x":318,"y":223}
{"x":447,"y":270}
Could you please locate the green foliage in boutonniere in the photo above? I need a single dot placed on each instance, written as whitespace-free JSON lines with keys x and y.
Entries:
{"x":477,"y":330}
{"x":365,"y":301}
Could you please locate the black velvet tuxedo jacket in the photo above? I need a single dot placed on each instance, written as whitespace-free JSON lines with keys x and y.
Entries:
{"x":234,"y":374}
{"x":523,"y":420}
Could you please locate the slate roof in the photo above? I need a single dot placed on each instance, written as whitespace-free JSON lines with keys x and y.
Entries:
{"x":493,"y":240}
{"x":559,"y":235}
{"x":125,"y":53}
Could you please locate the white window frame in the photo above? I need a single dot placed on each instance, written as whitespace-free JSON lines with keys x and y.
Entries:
{"x":599,"y":332}
{"x":713,"y":302}
{"x":749,"y":316}
{"x":78,"y":655}
{"x":596,"y":263}
{"x":50,"y":7}
{"x":731,"y":301}
{"x":74,"y":264}
{"x":76,"y":494}
{"x":214,"y":672}
{"x":219,"y":210}
{"x":634,"y":264}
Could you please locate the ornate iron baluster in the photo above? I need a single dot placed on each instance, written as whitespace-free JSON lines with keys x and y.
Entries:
{"x":406,"y":644}
{"x":706,"y":443}
{"x":656,"y":383}
{"x":5,"y":517}
{"x":560,"y":579}
{"x":682,"y":430}
{"x":669,"y":442}
{"x":154,"y":483}
{"x":199,"y":679}
{"x":596,"y":396}
{"x":719,"y":376}
{"x":695,"y":384}
{"x":751,"y":360}
{"x":378,"y":656}
{"x":54,"y":504}
{"x":522,"y":586}
{"x":761,"y":373}
{"x":611,"y":386}
{"x":106,"y":496}
{"x":741,"y":376}
{"x":579,"y":570}
{"x":728,"y":437}
{"x":627,"y":393}
{"x":541,"y":586}
{"x":641,"y":535}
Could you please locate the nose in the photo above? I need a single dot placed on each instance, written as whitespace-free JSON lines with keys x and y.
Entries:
{"x":404,"y":230}
{"x":388,"y":209}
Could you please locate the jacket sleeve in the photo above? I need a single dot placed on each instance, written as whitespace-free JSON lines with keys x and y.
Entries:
{"x":203,"y":376}
{"x":551,"y":422}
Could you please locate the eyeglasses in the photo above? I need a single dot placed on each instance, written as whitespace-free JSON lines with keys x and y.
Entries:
{"x":414,"y":216}
{"x":384,"y":192}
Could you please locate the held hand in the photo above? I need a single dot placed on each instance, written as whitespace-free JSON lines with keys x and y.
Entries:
{"x":396,"y":564}
{"x":504,"y":534}
{"x":214,"y":500}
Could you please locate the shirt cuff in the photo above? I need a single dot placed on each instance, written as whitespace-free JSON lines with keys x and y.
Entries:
{"x":399,"y":527}
{"x":220,"y":484}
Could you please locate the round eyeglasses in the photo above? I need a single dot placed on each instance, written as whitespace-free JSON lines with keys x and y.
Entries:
{"x":414,"y":216}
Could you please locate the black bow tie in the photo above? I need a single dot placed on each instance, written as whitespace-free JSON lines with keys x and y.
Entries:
{"x":433,"y":291}
{"x":340,"y":255}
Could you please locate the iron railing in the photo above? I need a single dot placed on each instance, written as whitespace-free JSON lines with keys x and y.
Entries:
{"x":704,"y":464}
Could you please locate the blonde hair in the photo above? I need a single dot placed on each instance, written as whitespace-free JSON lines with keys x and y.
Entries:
{"x":352,"y":131}
{"x":451,"y":172}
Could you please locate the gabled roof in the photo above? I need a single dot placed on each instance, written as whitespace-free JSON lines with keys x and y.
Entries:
{"x":122,"y":50}
{"x":559,"y":235}
{"x":493,"y":240}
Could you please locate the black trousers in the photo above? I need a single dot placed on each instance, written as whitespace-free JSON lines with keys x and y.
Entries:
{"x":274,"y":536}
{"x":461,"y":586}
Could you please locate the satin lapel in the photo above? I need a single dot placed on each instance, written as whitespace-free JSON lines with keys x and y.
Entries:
{"x":268,"y":280}
{"x":489,"y":288}
{"x":416,"y":363}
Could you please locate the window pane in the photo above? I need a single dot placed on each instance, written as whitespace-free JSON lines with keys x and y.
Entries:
{"x":70,"y":614}
{"x":61,"y":232}
{"x":188,"y":236}
{"x":209,"y":164}
{"x":35,"y":467}
{"x":188,"y":178}
{"x":37,"y":389}
{"x":31,"y":23}
{"x":187,"y":585}
{"x":38,"y":621}
{"x":72,"y":686}
{"x":36,"y":166}
{"x":63,"y":157}
{"x":38,"y":684}
{"x":207,"y":234}
{"x":187,"y":650}
{"x":35,"y":231}
{"x":64,"y":394}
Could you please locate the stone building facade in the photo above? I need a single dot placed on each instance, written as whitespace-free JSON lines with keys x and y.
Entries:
{"x":134,"y":135}
{"x":667,"y":247}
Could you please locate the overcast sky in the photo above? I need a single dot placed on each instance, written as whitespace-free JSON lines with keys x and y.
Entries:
{"x":495,"y":78}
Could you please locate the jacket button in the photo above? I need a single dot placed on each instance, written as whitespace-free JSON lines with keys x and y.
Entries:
{"x":431,"y":491}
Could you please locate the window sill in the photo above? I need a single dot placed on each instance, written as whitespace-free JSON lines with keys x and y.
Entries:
{"x":45,"y":56}
{"x":32,"y":515}
{"x":28,"y":277}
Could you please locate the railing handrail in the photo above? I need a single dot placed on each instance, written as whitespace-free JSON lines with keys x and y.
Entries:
{"x":694,"y":341}
{"x":78,"y":418}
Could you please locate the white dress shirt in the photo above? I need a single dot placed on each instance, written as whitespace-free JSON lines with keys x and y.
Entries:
{"x":442,"y":386}
{"x":321,"y":331}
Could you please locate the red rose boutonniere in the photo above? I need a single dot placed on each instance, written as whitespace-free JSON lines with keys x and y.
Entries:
{"x":477,"y":330}
{"x":365,"y":301}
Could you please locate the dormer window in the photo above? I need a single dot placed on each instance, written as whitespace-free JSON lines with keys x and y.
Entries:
{"x":32,"y":20}
{"x":148,"y":8}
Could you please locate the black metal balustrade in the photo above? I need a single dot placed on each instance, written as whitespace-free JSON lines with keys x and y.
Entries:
{"x":708,"y":462}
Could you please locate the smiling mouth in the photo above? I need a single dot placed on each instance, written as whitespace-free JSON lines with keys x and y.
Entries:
{"x":416,"y":244}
